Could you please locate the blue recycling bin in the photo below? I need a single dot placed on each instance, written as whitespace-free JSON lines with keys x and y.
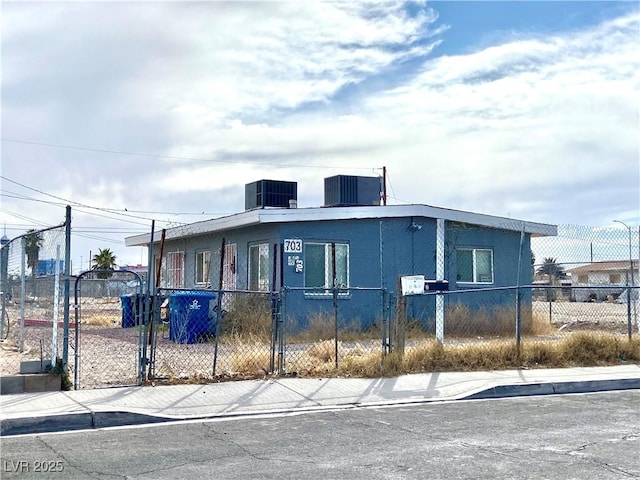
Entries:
{"x":191,"y":317}
{"x":128,"y":317}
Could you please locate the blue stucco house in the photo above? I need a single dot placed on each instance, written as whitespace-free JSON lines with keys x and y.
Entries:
{"x":365,"y":246}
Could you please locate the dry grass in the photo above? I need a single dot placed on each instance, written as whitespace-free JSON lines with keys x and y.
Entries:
{"x":322,"y":327}
{"x":461,"y":321}
{"x":580,"y":349}
{"x":254,"y":363}
{"x":248,"y":319}
{"x":325,"y":351}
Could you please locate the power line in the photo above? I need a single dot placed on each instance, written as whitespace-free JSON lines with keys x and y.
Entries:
{"x":20,"y":196}
{"x":170,"y":157}
{"x":78,"y":204}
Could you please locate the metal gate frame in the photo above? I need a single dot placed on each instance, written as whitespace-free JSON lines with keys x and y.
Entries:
{"x":77,"y":316}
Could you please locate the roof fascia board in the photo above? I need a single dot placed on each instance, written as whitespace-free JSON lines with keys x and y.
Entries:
{"x":282,"y":215}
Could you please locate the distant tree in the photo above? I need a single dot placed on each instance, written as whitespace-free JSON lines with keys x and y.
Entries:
{"x":533,"y":258}
{"x":105,"y":259}
{"x":32,"y":244}
{"x":551,"y":268}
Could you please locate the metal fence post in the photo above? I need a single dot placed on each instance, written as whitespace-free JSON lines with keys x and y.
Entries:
{"x":518,"y":298}
{"x":23,"y":290}
{"x":281,"y":332}
{"x":67,"y":288}
{"x":335,"y":297}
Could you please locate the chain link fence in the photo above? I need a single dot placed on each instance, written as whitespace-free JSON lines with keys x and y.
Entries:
{"x":107,"y":329}
{"x":204,"y":321}
{"x":542,"y":295}
{"x":31,"y":273}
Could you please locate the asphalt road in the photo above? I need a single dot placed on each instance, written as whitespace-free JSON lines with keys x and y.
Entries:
{"x":589,"y":436}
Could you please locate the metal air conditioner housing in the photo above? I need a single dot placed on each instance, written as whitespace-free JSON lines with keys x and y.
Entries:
{"x":270,"y":193}
{"x":349,"y":190}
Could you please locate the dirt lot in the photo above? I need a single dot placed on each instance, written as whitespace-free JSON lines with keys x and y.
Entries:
{"x":107,"y":353}
{"x":573,"y":316}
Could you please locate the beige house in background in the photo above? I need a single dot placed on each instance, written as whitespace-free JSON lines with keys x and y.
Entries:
{"x":602,"y":274}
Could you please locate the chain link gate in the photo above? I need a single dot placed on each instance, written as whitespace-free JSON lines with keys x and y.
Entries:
{"x":108,"y":330}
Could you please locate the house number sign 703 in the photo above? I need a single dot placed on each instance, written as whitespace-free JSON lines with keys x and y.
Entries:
{"x":293,"y":245}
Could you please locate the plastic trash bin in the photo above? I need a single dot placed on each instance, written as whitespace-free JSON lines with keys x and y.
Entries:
{"x":191,"y":317}
{"x":128,"y":317}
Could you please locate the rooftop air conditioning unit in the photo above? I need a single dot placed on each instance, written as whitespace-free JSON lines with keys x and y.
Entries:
{"x":270,"y":193}
{"x":348,"y":190}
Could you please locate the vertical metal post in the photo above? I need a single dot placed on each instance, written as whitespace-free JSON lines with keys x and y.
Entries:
{"x":335,"y":297}
{"x":76,"y":350}
{"x":629,"y":324}
{"x":440,"y":264}
{"x":146,"y":358}
{"x":518,"y":298}
{"x":629,"y":281}
{"x":401,"y":319}
{"x":4,"y":280}
{"x":56,"y":301}
{"x":67,"y":288}
{"x":637,"y":290}
{"x":274,"y":308}
{"x":281,"y":340}
{"x":384,"y":186}
{"x":630,"y":284}
{"x":219,"y":306}
{"x":23,"y":288}
{"x":282,"y":314}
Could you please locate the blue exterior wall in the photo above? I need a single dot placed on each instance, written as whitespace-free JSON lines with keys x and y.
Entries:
{"x":358,"y":309}
{"x":380,"y":250}
{"x":505,"y":245}
{"x":242,"y":238}
{"x":48,"y":267}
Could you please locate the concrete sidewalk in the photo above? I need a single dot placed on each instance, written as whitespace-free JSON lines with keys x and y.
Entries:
{"x":73,"y":410}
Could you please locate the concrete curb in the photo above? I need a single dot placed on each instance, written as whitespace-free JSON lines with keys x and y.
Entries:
{"x":66,"y":422}
{"x":555,"y":388}
{"x":107,"y":419}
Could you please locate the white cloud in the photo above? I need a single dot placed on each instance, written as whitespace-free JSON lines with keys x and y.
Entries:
{"x":303,"y":90}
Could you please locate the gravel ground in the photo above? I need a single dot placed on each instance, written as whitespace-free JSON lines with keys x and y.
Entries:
{"x":107,"y":353}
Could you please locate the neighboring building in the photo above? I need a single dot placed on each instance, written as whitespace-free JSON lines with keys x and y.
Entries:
{"x":140,"y":269}
{"x":602,"y":274}
{"x":373,"y":245}
{"x":46,"y":268}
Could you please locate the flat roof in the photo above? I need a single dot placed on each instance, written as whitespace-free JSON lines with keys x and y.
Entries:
{"x":605,"y":266}
{"x":260,"y":216}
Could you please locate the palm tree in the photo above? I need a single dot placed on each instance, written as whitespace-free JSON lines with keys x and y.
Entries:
{"x":32,"y":244}
{"x":554,"y":271}
{"x":551,"y":268}
{"x":105,"y":259}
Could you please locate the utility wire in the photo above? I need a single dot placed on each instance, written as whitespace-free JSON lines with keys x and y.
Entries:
{"x":20,"y":196}
{"x":78,"y":204}
{"x":169,"y":157}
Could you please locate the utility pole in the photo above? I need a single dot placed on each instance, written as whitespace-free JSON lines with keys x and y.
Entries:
{"x":384,"y":185}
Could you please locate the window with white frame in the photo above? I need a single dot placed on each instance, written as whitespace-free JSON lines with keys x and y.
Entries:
{"x":259,"y":267}
{"x":474,"y":265}
{"x":203,"y":262}
{"x":318,"y":267}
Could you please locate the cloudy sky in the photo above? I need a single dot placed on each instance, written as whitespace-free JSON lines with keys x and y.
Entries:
{"x":517,"y":109}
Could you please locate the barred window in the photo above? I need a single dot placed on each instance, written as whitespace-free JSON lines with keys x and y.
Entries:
{"x":172,"y":270}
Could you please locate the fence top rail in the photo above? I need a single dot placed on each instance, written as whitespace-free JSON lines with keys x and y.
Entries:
{"x":530,"y":287}
{"x":15,"y":239}
{"x":340,"y":289}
